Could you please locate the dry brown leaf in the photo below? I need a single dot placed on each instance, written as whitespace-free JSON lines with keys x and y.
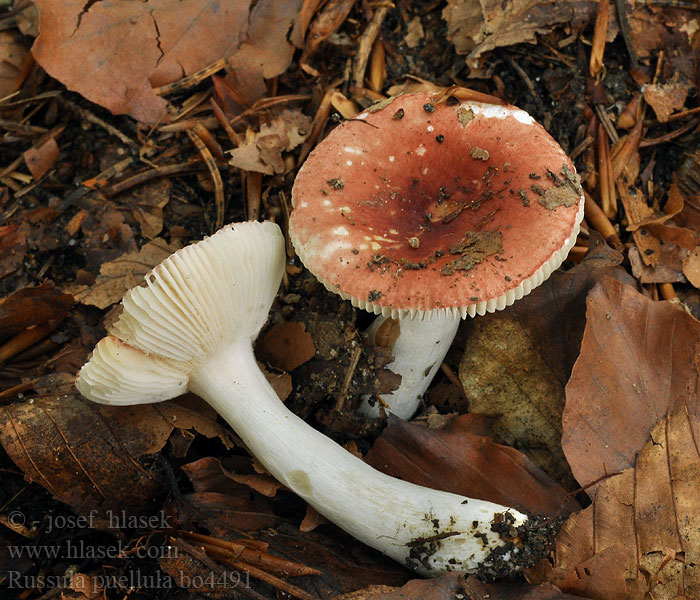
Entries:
{"x":455,"y":585}
{"x":120,"y":275}
{"x":41,"y":159}
{"x":87,"y":455}
{"x":127,"y":48}
{"x":13,"y":53}
{"x":672,"y":234}
{"x":455,"y":460}
{"x":262,"y":153}
{"x":478,"y":27}
{"x":638,"y":211}
{"x":13,"y":246}
{"x":669,"y":269}
{"x":147,"y":203}
{"x":641,"y":537}
{"x":32,"y":305}
{"x":671,"y":29}
{"x":639,"y":359}
{"x":414,"y":33}
{"x":27,"y":17}
{"x":286,"y":346}
{"x":312,"y":519}
{"x":266,"y":51}
{"x":666,"y":98}
{"x":691,"y":267}
{"x":331,"y":16}
{"x":516,"y":362}
{"x":280,"y":382}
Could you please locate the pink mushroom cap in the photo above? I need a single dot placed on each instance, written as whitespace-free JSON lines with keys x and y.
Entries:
{"x":414,"y":206}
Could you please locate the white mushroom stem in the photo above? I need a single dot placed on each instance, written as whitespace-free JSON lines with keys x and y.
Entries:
{"x":428,"y":530}
{"x":418,"y":351}
{"x":192,"y":327}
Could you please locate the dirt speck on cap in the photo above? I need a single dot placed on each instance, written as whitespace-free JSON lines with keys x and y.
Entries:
{"x":464,"y":115}
{"x":477,"y":246}
{"x":479,"y":153}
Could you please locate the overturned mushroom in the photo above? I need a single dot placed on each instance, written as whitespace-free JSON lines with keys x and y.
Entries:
{"x":192,"y":326}
{"x":428,"y":213}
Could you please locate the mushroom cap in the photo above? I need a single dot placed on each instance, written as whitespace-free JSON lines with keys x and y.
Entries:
{"x":416,"y":208}
{"x":198,"y":301}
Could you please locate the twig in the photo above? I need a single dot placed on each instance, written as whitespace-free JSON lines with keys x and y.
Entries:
{"x":225,"y":123}
{"x":191,"y":80}
{"x":606,"y":182}
{"x":215,"y":176}
{"x":354,"y":360}
{"x":669,"y":136}
{"x":253,"y":190}
{"x":528,"y":82}
{"x":626,"y":31}
{"x":88,"y":116}
{"x":666,"y":291}
{"x":606,"y":123}
{"x":324,"y":110}
{"x":364,"y":44}
{"x":155,"y":173}
{"x":597,"y":219}
{"x":451,"y":375}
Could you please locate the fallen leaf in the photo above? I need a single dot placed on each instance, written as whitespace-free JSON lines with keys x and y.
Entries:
{"x":669,"y":268}
{"x":312,"y":519}
{"x":668,"y":28}
{"x":147,"y":203}
{"x":638,"y":211}
{"x":120,"y":275}
{"x":31,"y":306}
{"x":691,"y":267}
{"x":87,"y":455}
{"x":263,"y":484}
{"x":262,"y":153}
{"x":478,"y":27}
{"x":129,"y":48}
{"x":266,"y":51}
{"x":13,"y":53}
{"x":13,"y":246}
{"x":286,"y":346}
{"x":41,"y":159}
{"x":516,"y":362}
{"x":27,"y":17}
{"x":641,"y":536}
{"x":455,"y":460}
{"x":639,"y":359}
{"x":107,"y":236}
{"x":220,"y":504}
{"x":345,"y":563}
{"x":666,"y":98}
{"x":328,"y":19}
{"x":455,"y":585}
{"x":280,"y":382}
{"x":414,"y":33}
{"x":672,"y":234}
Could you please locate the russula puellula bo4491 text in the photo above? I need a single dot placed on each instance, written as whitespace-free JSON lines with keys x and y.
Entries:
{"x":191,"y":327}
{"x":429,"y":209}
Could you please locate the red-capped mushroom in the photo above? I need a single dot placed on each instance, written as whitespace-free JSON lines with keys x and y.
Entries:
{"x":431,"y":211}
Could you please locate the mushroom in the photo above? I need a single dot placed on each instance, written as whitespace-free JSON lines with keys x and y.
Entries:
{"x":427,"y":211}
{"x":191,"y":327}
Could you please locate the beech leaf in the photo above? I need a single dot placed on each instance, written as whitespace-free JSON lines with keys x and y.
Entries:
{"x":639,"y":360}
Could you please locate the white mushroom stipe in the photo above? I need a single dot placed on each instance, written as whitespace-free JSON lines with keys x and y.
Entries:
{"x":192,"y":327}
{"x":418,"y":352}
